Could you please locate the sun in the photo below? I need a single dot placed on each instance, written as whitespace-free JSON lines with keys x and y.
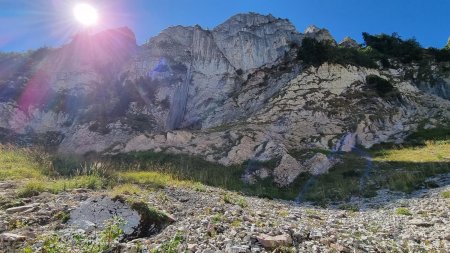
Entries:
{"x":86,"y":14}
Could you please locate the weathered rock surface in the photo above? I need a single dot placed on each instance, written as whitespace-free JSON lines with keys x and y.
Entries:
{"x":272,"y":242}
{"x":318,"y":164}
{"x":21,"y":209}
{"x":319,"y":34}
{"x":348,"y":42}
{"x":287,"y":171}
{"x":9,"y":237}
{"x":94,"y":212}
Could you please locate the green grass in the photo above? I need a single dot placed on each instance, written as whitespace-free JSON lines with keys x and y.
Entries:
{"x":126,"y":189}
{"x":446,"y":194}
{"x":431,"y":151}
{"x":17,"y":164}
{"x":153,"y":179}
{"x":349,"y":207}
{"x":104,"y":241}
{"x":36,"y":186}
{"x":401,"y":168}
{"x":162,"y":170}
{"x":170,"y":246}
{"x":403,"y":211}
{"x":407,"y":168}
{"x":234,"y":200}
{"x":342,"y":181}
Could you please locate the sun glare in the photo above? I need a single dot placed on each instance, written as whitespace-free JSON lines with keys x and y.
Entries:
{"x":85,"y":14}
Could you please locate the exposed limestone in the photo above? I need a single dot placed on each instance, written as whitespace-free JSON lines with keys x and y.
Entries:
{"x":9,"y":237}
{"x":349,"y":43}
{"x":287,"y":171}
{"x":94,"y":212}
{"x":318,"y":164}
{"x":272,"y":242}
{"x":319,"y":34}
{"x":22,"y":209}
{"x":347,"y":142}
{"x":249,"y":35}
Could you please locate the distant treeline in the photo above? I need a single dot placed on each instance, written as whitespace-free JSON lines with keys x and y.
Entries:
{"x":376,"y":48}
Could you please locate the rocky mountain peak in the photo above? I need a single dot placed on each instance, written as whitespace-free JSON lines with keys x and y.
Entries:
{"x":348,"y":42}
{"x":320,"y":34}
{"x":246,"y":21}
{"x":312,"y":29}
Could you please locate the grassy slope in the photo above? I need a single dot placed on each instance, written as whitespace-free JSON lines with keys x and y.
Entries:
{"x":402,"y":168}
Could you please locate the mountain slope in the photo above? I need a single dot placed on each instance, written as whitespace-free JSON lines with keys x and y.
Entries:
{"x":242,"y":91}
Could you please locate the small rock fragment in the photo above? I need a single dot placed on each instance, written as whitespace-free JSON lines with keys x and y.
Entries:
{"x":20,"y":209}
{"x":10,"y":237}
{"x":268,"y":241}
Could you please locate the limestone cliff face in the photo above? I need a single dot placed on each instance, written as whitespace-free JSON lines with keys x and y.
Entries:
{"x":234,"y":93}
{"x":251,"y":41}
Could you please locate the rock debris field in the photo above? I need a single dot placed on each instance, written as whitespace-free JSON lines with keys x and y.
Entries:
{"x":215,"y":220}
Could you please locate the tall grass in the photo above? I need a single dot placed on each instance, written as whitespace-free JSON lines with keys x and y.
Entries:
{"x":18,"y":163}
{"x":36,"y":186}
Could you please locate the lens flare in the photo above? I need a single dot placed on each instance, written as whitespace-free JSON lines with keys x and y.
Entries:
{"x":85,"y":14}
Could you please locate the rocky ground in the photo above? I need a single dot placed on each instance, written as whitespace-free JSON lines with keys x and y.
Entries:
{"x":214,"y":220}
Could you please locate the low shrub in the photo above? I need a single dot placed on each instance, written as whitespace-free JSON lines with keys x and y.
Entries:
{"x":446,"y":194}
{"x":403,"y":211}
{"x":406,"y":51}
{"x":382,"y":87}
{"x":36,"y":186}
{"x":315,"y":53}
{"x":170,"y":246}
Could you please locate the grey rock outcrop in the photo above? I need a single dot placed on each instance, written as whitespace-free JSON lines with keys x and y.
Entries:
{"x":287,"y":171}
{"x":319,"y":34}
{"x":349,"y":43}
{"x":93,"y":213}
{"x":260,"y":39}
{"x":318,"y":164}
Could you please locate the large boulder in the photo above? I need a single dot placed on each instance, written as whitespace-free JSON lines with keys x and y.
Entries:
{"x":271,"y":242}
{"x":140,"y":221}
{"x":287,"y":171}
{"x":318,"y":164}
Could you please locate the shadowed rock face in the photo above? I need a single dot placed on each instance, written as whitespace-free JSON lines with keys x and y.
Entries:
{"x":234,"y":93}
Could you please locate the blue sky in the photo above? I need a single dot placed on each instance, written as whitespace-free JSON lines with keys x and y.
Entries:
{"x":29,"y":24}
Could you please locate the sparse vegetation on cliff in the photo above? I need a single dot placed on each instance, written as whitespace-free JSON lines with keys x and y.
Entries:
{"x":313,"y":52}
{"x":380,"y":48}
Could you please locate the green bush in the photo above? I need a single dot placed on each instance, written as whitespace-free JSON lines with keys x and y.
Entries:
{"x":313,"y":52}
{"x":406,"y":51}
{"x":378,"y":48}
{"x":383,"y":87}
{"x":440,"y":55}
{"x":403,"y":211}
